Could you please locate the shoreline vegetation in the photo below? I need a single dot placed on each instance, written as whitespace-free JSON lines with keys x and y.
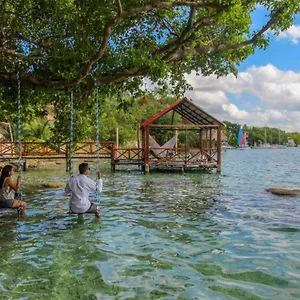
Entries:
{"x":119,"y":124}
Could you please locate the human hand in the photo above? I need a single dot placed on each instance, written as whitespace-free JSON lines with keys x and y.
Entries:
{"x":19,"y":179}
{"x":99,"y":175}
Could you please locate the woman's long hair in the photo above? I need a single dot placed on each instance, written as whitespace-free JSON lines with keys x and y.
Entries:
{"x":5,"y":173}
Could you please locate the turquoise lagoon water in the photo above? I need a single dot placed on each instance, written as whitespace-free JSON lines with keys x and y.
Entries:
{"x":163,"y":236}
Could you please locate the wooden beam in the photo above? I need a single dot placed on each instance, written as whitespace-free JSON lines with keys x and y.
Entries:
{"x":146,"y":149}
{"x":219,"y":147}
{"x":176,"y":127}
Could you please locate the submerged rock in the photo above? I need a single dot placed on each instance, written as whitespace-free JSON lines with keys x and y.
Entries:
{"x":284,"y":191}
{"x":53,"y":184}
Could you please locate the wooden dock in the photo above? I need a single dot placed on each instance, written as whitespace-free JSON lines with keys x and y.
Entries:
{"x":180,"y":159}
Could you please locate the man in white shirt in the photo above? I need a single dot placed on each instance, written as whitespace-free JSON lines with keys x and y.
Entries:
{"x":80,"y":186}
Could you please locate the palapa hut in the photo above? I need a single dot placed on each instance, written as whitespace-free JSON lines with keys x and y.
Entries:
{"x":194,"y":142}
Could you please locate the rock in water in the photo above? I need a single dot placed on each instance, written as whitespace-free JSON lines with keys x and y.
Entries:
{"x":53,"y":184}
{"x":284,"y":191}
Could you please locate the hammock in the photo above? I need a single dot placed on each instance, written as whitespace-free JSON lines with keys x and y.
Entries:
{"x":155,"y":147}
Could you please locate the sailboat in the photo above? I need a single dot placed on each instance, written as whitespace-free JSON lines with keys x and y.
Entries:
{"x":266,"y":145}
{"x":279,"y":146}
{"x":242,"y":140}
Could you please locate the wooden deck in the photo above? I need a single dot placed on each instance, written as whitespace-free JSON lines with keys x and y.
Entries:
{"x":169,"y":159}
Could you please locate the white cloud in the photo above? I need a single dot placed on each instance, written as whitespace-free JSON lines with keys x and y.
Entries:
{"x":234,"y":112}
{"x":293,"y":34}
{"x":212,"y":100}
{"x":259,"y":96}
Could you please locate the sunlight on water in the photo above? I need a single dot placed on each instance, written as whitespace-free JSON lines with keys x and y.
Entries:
{"x":163,"y":236}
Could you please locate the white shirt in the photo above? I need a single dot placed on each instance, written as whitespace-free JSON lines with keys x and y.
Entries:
{"x":80,"y":186}
{"x":6,"y":193}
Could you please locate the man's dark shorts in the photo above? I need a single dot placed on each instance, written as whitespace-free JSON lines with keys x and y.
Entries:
{"x":6,"y":203}
{"x":93,"y":208}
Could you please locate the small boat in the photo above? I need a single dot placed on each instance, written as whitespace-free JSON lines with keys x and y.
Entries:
{"x":243,"y":145}
{"x":262,"y":146}
{"x":266,"y":145}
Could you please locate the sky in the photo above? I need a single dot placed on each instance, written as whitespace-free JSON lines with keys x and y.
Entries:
{"x":266,"y":91}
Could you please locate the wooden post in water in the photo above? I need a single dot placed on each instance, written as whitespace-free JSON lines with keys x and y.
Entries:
{"x":210,"y":145}
{"x":176,"y":142}
{"x":24,"y":165}
{"x":138,"y":139}
{"x":117,"y":137}
{"x":201,"y":144}
{"x":112,"y":157}
{"x":186,"y":142}
{"x":219,"y":147}
{"x":206,"y":140}
{"x":146,"y":150}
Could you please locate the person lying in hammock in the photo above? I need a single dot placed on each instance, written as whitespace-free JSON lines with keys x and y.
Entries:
{"x":80,"y":186}
{"x":8,"y":188}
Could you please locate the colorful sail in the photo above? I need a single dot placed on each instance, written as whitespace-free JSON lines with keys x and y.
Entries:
{"x":241,"y":138}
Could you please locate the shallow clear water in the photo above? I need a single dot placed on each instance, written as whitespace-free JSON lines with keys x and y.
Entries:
{"x":163,"y":236}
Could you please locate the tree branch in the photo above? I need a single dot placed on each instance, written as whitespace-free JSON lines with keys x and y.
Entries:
{"x":111,"y":22}
{"x":120,"y":10}
{"x":176,"y":44}
{"x":172,"y":52}
{"x":45,"y":42}
{"x":224,"y":47}
{"x":168,"y":26}
{"x":4,"y":52}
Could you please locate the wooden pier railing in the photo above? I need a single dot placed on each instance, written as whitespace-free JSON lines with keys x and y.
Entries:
{"x":41,"y":150}
{"x":186,"y":157}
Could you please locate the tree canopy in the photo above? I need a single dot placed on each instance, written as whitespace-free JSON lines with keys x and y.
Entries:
{"x":77,"y":44}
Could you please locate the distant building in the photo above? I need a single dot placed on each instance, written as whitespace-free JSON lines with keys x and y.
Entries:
{"x":5,"y":132}
{"x":50,"y":114}
{"x":214,"y":136}
{"x":290,"y":142}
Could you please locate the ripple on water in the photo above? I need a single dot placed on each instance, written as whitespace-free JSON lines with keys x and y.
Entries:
{"x":163,"y":236}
